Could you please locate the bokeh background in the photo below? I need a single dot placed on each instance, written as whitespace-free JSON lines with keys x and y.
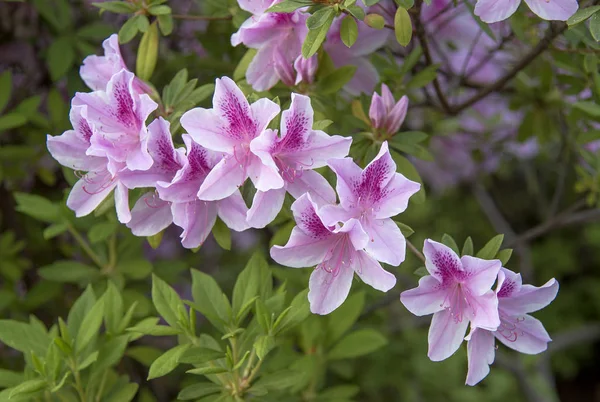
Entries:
{"x":499,"y":167}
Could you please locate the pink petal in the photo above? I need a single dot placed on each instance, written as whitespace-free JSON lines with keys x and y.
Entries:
{"x":358,"y":237}
{"x":397,"y":193}
{"x":445,"y":335}
{"x":377,"y":111}
{"x":96,"y":71}
{"x":150,"y":215}
{"x":302,"y":250}
{"x":319,"y":148}
{"x":334,"y":214}
{"x":255,"y":6}
{"x":483,"y":310}
{"x":232,"y":210}
{"x":347,"y":173}
{"x":314,"y":184}
{"x":396,"y":116}
{"x":524,"y":334}
{"x":480,"y":354}
{"x":263,"y":146}
{"x":265,"y":177}
{"x":207,"y":129}
{"x":306,"y":69}
{"x":558,"y":10}
{"x":371,"y":272}
{"x":441,"y":261}
{"x":264,"y":110}
{"x":261,"y":73}
{"x":427,"y":298}
{"x":122,"y":203}
{"x":223,"y":180}
{"x":265,"y":207}
{"x":388,"y":98}
{"x":482,"y":273}
{"x":494,"y":10}
{"x":530,"y":298}
{"x":69,"y":150}
{"x":88,"y":193}
{"x":197,"y":219}
{"x":386,"y":242}
{"x":307,"y":219}
{"x":327,"y":291}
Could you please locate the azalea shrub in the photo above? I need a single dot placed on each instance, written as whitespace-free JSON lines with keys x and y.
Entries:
{"x":299,"y":200}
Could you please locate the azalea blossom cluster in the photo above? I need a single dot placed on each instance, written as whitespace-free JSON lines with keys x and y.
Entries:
{"x":458,"y":292}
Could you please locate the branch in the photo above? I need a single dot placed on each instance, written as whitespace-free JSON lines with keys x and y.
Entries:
{"x":555,"y":29}
{"x":422,"y":36}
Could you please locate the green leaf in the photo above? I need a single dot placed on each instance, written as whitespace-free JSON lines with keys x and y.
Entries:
{"x":297,"y":312}
{"x":60,"y":58}
{"x":125,"y":393}
{"x":68,"y":272}
{"x":349,"y":30}
{"x":407,"y":4}
{"x":88,"y":361}
{"x":240,"y":70}
{"x":591,"y":108}
{"x":150,"y":328}
{"x":403,"y":26}
{"x":90,"y":326}
{"x":423,"y":77}
{"x":167,"y":301}
{"x":159,"y":10}
{"x":207,"y":370}
{"x":54,"y":230}
{"x":357,"y":343}
{"x":279,"y":380}
{"x":110,"y":353}
{"x":468,"y":247}
{"x":200,"y":355}
{"x":344,"y":317}
{"x":504,"y":255}
{"x":135,"y":269}
{"x":222,"y":234}
{"x":165,"y":23}
{"x":37,"y":207}
{"x":119,"y":7}
{"x":167,"y":362}
{"x":406,"y":230}
{"x":10,"y":378}
{"x":595,"y":26}
{"x":250,"y":283}
{"x":357,"y":12}
{"x":80,"y":309}
{"x":319,"y":18}
{"x":450,"y":242}
{"x":315,"y":38}
{"x":341,"y":392}
{"x":287,"y":6}
{"x":582,"y":14}
{"x":322,"y":124}
{"x":263,"y":345}
{"x":335,"y":80}
{"x":489,"y":251}
{"x":209,"y":299}
{"x":375,"y":21}
{"x":129,"y":29}
{"x":28,"y":387}
{"x":12,"y":120}
{"x":198,"y":391}
{"x":113,"y":308}
{"x":147,"y":55}
{"x":5,"y":88}
{"x":24,"y":337}
{"x":145,"y":355}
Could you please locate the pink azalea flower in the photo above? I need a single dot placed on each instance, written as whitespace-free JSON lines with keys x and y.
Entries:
{"x":305,"y":69}
{"x":457,"y":291}
{"x":373,"y":196}
{"x":385,"y":113}
{"x":295,"y":153}
{"x":278,"y":37}
{"x":70,"y":150}
{"x":493,"y":11}
{"x":518,"y":330}
{"x":97,"y":71}
{"x":150,"y":214}
{"x":119,"y":116}
{"x":196,"y":217}
{"x":229,"y":128}
{"x":338,"y":253}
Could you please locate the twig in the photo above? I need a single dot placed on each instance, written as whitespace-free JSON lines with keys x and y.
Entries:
{"x":85,"y":246}
{"x":555,"y":29}
{"x":415,"y":251}
{"x":422,"y":36}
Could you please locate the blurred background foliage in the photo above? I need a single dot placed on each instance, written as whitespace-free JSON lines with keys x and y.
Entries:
{"x":544,"y":205}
